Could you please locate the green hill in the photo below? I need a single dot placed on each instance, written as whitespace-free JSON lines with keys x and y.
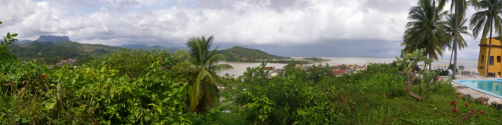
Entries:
{"x":50,"y":38}
{"x":53,"y":52}
{"x":238,"y":53}
{"x":156,"y":47}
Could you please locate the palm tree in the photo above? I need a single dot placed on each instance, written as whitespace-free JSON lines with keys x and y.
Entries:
{"x":486,"y":20}
{"x":201,"y":65}
{"x":461,"y":30}
{"x":460,"y":6}
{"x":461,"y":68}
{"x":426,"y":29}
{"x":460,"y":41}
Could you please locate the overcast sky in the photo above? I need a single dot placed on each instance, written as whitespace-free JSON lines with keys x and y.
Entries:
{"x":298,"y":28}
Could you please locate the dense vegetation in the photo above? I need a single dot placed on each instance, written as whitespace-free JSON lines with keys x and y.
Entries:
{"x":48,"y":38}
{"x":155,"y":47}
{"x":315,"y":59}
{"x":375,"y":96}
{"x":53,"y":52}
{"x":136,"y":87}
{"x":238,"y":53}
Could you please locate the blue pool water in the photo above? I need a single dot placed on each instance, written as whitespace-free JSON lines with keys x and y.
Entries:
{"x":492,"y":87}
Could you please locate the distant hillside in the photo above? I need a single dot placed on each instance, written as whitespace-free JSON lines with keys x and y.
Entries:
{"x":156,"y":47}
{"x":49,"y":38}
{"x":238,"y":53}
{"x":22,"y":41}
{"x":53,"y":52}
{"x":135,"y":46}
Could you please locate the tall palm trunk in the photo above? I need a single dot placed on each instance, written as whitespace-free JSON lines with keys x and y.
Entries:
{"x":430,"y":64}
{"x":489,"y":48}
{"x":451,"y":57}
{"x":455,"y":62}
{"x":489,"y":51}
{"x":455,"y":44}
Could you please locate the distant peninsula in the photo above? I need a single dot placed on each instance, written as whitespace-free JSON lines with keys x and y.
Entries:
{"x":242,"y":54}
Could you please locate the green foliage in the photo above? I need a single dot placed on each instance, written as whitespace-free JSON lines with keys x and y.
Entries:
{"x":315,"y":59}
{"x":318,"y":72}
{"x":52,"y":52}
{"x":461,"y":68}
{"x":426,"y":30}
{"x":238,"y":53}
{"x":4,"y":52}
{"x":135,"y":63}
{"x":99,"y":93}
{"x":486,"y":19}
{"x":442,"y":72}
{"x":33,"y":94}
{"x":374,"y":96}
{"x":428,"y":83}
{"x":200,"y":68}
{"x":261,"y":107}
{"x":451,"y":67}
{"x":255,"y":75}
{"x":440,"y":121}
{"x":457,"y":17}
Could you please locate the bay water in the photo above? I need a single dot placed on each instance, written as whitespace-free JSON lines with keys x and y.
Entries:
{"x":240,"y":67}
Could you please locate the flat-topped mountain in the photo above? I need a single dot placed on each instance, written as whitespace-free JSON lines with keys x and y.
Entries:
{"x":49,"y":38}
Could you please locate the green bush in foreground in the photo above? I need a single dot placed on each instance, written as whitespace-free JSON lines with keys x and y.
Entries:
{"x":375,"y":96}
{"x":34,"y":94}
{"x":89,"y":95}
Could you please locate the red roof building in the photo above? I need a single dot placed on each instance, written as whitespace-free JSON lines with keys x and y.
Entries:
{"x":339,"y":72}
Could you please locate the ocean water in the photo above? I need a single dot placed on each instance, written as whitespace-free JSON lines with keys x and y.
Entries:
{"x":240,"y":67}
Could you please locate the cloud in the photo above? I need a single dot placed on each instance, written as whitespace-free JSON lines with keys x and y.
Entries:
{"x":287,"y":24}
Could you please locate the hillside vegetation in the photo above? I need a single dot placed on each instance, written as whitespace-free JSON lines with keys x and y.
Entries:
{"x":238,"y":53}
{"x":156,"y":47}
{"x":49,"y":38}
{"x":53,"y":52}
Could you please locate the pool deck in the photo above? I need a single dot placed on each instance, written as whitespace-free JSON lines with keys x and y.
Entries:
{"x":472,"y":92}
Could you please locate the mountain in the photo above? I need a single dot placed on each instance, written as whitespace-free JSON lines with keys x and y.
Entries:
{"x":49,"y":38}
{"x":44,"y":38}
{"x":156,"y":47}
{"x":22,"y":41}
{"x":238,"y":53}
{"x":53,"y":52}
{"x":135,"y":46}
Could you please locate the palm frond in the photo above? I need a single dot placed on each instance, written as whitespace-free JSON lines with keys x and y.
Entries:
{"x":220,"y":67}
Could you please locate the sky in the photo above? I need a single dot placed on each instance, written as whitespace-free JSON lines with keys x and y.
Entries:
{"x":294,"y":28}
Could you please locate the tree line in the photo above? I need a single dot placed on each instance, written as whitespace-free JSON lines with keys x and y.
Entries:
{"x":433,"y":28}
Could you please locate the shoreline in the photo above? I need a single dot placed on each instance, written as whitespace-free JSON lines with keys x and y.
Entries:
{"x":306,"y":60}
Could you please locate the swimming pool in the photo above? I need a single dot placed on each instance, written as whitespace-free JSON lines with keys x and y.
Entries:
{"x":492,"y":87}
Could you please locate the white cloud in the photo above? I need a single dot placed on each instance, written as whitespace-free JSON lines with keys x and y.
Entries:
{"x":265,"y":22}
